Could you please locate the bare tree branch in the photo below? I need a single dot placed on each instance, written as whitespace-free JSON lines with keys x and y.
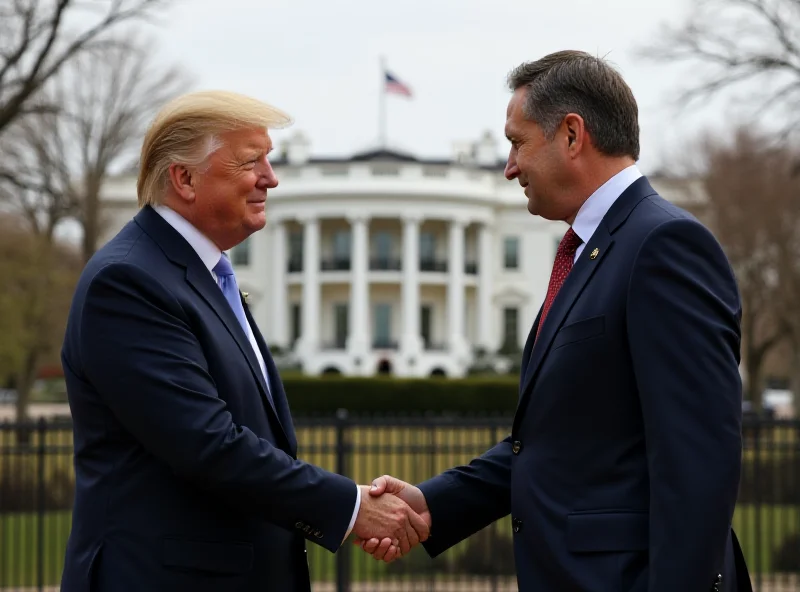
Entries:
{"x":735,"y":43}
{"x":54,"y":163}
{"x":34,"y":42}
{"x":751,"y":187}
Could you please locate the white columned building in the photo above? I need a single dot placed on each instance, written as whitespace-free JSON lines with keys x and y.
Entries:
{"x":455,"y":288}
{"x":485,"y":241}
{"x":279,"y":305}
{"x":383,"y":262}
{"x":358,"y":340}
{"x":309,"y":336}
{"x":411,"y":343}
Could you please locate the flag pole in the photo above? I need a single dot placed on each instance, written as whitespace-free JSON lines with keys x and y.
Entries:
{"x":382,"y":106}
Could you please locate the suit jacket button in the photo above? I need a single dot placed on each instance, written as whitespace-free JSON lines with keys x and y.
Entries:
{"x":516,"y":447}
{"x":516,"y":524}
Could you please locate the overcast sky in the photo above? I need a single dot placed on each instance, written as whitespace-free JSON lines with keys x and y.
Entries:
{"x":320,"y":60}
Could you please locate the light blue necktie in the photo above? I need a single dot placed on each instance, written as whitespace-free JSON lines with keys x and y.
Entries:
{"x":227,"y":282}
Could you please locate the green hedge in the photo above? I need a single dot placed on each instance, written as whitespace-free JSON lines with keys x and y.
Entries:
{"x":310,"y":396}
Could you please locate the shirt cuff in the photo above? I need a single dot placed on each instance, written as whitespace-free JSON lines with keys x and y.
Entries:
{"x":355,"y":513}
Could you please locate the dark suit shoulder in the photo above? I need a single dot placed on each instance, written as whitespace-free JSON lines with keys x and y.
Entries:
{"x":654,"y":215}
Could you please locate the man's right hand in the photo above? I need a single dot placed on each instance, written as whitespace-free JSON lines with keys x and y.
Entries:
{"x":411,"y":495}
{"x":389,"y":518}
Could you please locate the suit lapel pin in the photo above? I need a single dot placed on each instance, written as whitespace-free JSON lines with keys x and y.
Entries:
{"x":246,"y":296}
{"x":594,"y":254}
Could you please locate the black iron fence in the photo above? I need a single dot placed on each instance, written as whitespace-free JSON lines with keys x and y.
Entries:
{"x":37,"y":481}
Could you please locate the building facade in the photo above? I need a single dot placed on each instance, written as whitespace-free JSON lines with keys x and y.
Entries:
{"x":387,"y":263}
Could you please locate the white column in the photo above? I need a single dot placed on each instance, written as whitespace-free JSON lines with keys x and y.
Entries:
{"x":280,"y":310}
{"x":455,"y":289}
{"x":310,"y":314}
{"x":411,"y":340}
{"x":484,"y":307}
{"x":358,"y":315}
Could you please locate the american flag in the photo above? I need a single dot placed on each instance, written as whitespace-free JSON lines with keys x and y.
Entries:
{"x":393,"y":85}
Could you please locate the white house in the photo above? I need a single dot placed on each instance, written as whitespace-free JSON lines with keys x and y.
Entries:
{"x":387,"y":263}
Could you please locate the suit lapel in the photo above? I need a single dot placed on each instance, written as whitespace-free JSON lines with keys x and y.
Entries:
{"x":582,"y":271}
{"x":200,"y":279}
{"x":599,"y":245}
{"x":180,"y":252}
{"x":276,"y":386}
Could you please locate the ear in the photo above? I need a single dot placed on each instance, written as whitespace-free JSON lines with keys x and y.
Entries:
{"x":575,"y":135}
{"x":182,"y":181}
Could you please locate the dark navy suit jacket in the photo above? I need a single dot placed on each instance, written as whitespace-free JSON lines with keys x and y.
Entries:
{"x":622,"y":469}
{"x":186,"y":473}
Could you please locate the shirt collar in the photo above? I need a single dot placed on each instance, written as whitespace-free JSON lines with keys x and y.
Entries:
{"x":208,"y":252}
{"x":596,"y":207}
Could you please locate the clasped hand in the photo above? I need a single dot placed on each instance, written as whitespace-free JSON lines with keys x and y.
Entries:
{"x":394,"y":518}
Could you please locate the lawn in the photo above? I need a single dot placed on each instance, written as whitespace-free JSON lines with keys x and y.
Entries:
{"x":410,"y":453}
{"x":19,"y":540}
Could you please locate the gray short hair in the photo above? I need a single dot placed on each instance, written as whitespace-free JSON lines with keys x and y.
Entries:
{"x":577,"y":82}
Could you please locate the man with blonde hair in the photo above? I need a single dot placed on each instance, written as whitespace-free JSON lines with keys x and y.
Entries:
{"x":187,"y":475}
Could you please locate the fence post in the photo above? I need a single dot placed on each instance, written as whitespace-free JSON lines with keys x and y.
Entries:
{"x":42,"y":431}
{"x":343,"y":554}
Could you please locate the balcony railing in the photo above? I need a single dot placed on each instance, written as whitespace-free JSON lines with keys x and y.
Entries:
{"x":333,"y":345}
{"x":384,"y":344}
{"x":435,"y":346}
{"x":432,"y":265}
{"x":385,"y":264}
{"x":335,"y":265}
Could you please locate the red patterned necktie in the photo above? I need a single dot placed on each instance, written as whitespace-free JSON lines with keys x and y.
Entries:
{"x":565,"y":256}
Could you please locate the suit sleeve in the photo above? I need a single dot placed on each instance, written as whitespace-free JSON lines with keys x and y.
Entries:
{"x":140,"y":354}
{"x":465,"y":499}
{"x":684,"y":318}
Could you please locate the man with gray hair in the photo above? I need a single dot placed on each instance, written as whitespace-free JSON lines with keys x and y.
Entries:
{"x":622,"y":468}
{"x":187,"y":477}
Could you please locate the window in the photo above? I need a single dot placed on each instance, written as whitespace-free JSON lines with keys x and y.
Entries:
{"x":296,"y":250}
{"x":341,"y":245}
{"x":340,"y":325}
{"x":510,"y":333}
{"x":425,"y":318}
{"x":511,"y":252}
{"x":427,"y":246}
{"x":240,"y":254}
{"x":383,"y":246}
{"x":296,"y":326}
{"x":383,"y":324}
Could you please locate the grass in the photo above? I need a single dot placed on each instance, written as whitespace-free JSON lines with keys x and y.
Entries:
{"x":19,"y":540}
{"x":412,"y":454}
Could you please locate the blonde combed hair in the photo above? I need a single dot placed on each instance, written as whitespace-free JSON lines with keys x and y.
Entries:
{"x":186,"y":131}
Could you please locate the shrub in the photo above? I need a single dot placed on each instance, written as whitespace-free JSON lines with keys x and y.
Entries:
{"x":787,"y":556}
{"x":312,"y":396}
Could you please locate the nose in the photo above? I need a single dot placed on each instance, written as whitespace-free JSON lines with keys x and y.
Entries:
{"x":512,"y":171}
{"x":268,"y":179}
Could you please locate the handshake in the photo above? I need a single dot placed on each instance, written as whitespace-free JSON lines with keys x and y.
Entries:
{"x":393,"y":518}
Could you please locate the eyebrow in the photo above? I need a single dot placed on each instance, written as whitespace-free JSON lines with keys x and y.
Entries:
{"x":253,"y":150}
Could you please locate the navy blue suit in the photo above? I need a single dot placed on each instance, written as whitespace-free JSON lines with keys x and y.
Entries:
{"x":622,"y":469}
{"x":186,"y":472}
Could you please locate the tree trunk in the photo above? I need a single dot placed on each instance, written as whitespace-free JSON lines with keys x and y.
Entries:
{"x":753,"y":386}
{"x":91,"y":220}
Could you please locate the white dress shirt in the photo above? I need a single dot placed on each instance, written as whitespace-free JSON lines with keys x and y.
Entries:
{"x":596,"y":207}
{"x":209,"y":254}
